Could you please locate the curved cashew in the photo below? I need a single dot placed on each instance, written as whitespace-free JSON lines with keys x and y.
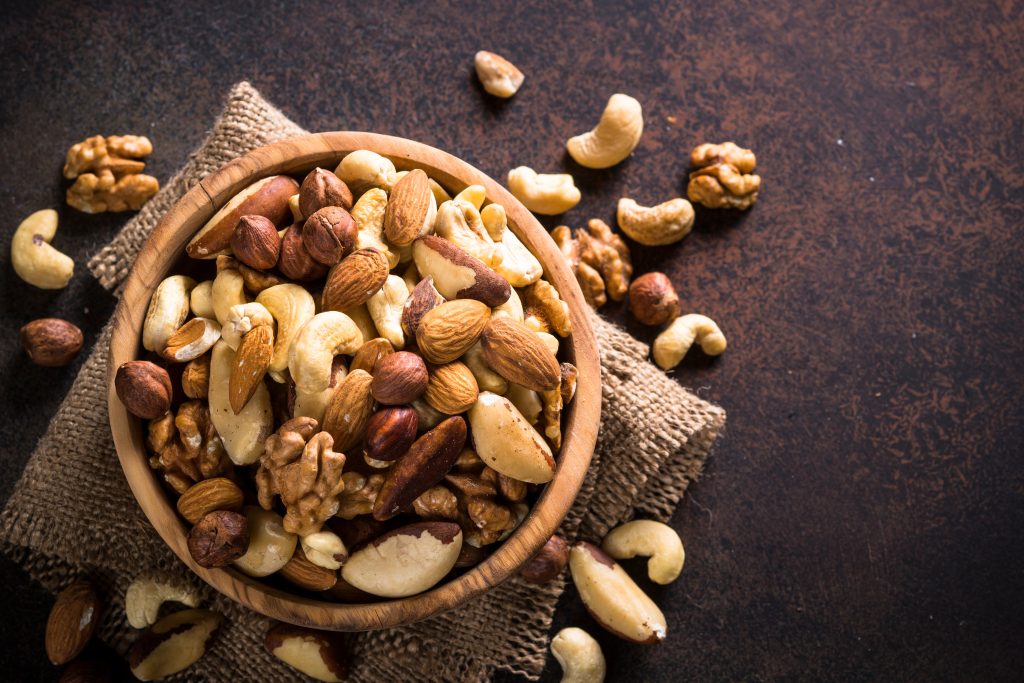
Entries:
{"x":293,"y":205}
{"x":34,"y":260}
{"x":241,"y":318}
{"x":368,"y":214}
{"x":545,"y":193}
{"x":292,"y":307}
{"x":516,"y":264}
{"x":579,"y":655}
{"x":458,"y":221}
{"x":314,"y":404}
{"x":201,"y":300}
{"x":324,"y":549}
{"x":145,"y":595}
{"x":228,"y":290}
{"x":647,"y":538}
{"x":526,"y":401}
{"x":495,"y":221}
{"x":363,"y":169}
{"x":386,"y":308}
{"x":325,"y":336}
{"x":672,"y":344}
{"x":361,"y":317}
{"x":615,"y":136}
{"x":440,"y":194}
{"x":243,"y":434}
{"x":654,"y":226}
{"x":473,"y":194}
{"x":513,"y":308}
{"x":486,"y":379}
{"x":167,"y":311}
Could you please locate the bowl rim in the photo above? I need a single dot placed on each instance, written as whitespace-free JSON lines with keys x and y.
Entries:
{"x":291,"y":156}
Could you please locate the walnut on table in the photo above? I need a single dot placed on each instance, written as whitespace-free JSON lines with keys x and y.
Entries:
{"x":599,"y":258}
{"x":108,"y":174}
{"x":300,"y":467}
{"x":186,"y":447}
{"x":724,"y":177}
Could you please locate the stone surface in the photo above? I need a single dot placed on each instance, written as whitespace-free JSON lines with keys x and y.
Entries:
{"x":862,"y":517}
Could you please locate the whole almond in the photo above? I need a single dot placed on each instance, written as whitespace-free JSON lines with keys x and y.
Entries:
{"x":51,"y":342}
{"x":452,"y":388}
{"x":515,"y":352}
{"x":424,"y":465}
{"x":306,"y":575}
{"x":295,"y":261}
{"x":411,"y":209}
{"x":349,"y":410}
{"x":207,"y":496}
{"x":144,"y":388}
{"x":422,"y":299}
{"x":449,"y":330}
{"x":391,"y":432}
{"x":399,"y":378}
{"x":353,"y":281}
{"x":219,"y":538}
{"x":72,"y":621}
{"x":370,"y":353}
{"x":195,"y":378}
{"x":329,"y":234}
{"x":255,"y":242}
{"x":322,"y":188}
{"x":251,"y":363}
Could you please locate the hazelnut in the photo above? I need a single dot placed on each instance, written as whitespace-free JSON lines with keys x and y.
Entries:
{"x":399,"y":378}
{"x":219,"y":538}
{"x":329,"y":235}
{"x":322,"y":188}
{"x":195,"y":378}
{"x":255,"y":242}
{"x":295,"y":261}
{"x":653,"y":299}
{"x":51,"y":342}
{"x":548,"y":563}
{"x":144,"y":388}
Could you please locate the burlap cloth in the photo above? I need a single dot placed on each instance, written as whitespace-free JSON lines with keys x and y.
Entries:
{"x":72,"y":513}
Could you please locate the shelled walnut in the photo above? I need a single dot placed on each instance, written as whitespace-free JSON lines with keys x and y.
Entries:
{"x":599,"y":259}
{"x":186,"y":447}
{"x":724,"y":178}
{"x":108,"y":174}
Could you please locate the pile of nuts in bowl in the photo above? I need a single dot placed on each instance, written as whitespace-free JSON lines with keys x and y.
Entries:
{"x":365,"y":392}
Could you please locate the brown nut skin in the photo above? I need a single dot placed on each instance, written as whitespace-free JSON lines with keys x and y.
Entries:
{"x":399,"y":378}
{"x":548,"y":563}
{"x":144,"y":388}
{"x":424,"y":465}
{"x":219,"y":538}
{"x":266,"y":197}
{"x":653,"y":299}
{"x":322,"y":188}
{"x":295,"y":262}
{"x":353,"y":281}
{"x":195,"y":377}
{"x":391,"y":432}
{"x":371,"y":353}
{"x":329,"y":235}
{"x":255,"y":242}
{"x":86,"y":671}
{"x":328,"y":658}
{"x":72,"y":622}
{"x":422,"y":299}
{"x":51,"y":342}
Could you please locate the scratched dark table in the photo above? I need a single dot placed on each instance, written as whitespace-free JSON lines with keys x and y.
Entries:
{"x":862,"y":518}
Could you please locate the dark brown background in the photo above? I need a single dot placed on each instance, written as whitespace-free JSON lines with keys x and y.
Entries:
{"x":862,"y":517}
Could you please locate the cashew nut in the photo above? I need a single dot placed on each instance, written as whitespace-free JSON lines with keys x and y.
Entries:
{"x":513,"y":308}
{"x":34,"y":260}
{"x":325,"y":336}
{"x":386,"y":308}
{"x":440,"y":194}
{"x":293,"y":205}
{"x":228,"y":290}
{"x":292,"y":307}
{"x":241,"y":318}
{"x":270,"y":545}
{"x":515,"y":262}
{"x":526,"y":401}
{"x":167,"y":311}
{"x":145,"y":595}
{"x":201,"y":300}
{"x":499,"y":76}
{"x":361,"y":317}
{"x":550,"y":341}
{"x":647,"y":538}
{"x":579,"y":655}
{"x":458,"y":221}
{"x":324,"y":549}
{"x":675,"y":340}
{"x":363,"y":169}
{"x":315,"y":404}
{"x":545,"y":193}
{"x":615,"y":136}
{"x":495,"y":221}
{"x":243,"y":434}
{"x":473,"y":194}
{"x":368,"y":214}
{"x":654,"y":226}
{"x":486,"y":379}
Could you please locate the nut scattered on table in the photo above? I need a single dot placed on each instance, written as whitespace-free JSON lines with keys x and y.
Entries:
{"x":51,"y":342}
{"x":599,"y":259}
{"x":579,"y":655}
{"x":653,"y":299}
{"x":499,"y":76}
{"x":548,"y":563}
{"x":173,"y":644}
{"x":34,"y":259}
{"x":320,"y":655}
{"x":655,"y":226}
{"x":72,"y":621}
{"x":549,"y":194}
{"x":146,"y":594}
{"x":674,"y":341}
{"x":724,"y":178}
{"x":648,"y":538}
{"x":615,"y":136}
{"x":108,"y":174}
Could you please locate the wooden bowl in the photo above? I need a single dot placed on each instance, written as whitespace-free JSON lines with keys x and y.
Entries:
{"x":165,"y":247}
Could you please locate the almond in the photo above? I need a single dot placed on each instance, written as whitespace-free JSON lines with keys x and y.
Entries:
{"x":349,"y":410}
{"x":251,"y":363}
{"x":424,"y":465}
{"x":515,"y":352}
{"x":448,"y":331}
{"x":353,"y":281}
{"x":458,"y":275}
{"x":452,"y":388}
{"x":400,"y":378}
{"x":370,"y":353}
{"x":411,"y":209}
{"x":422,"y":299}
{"x":72,"y":622}
{"x":209,"y":495}
{"x":390,"y":433}
{"x":192,"y":340}
{"x":307,"y":575}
